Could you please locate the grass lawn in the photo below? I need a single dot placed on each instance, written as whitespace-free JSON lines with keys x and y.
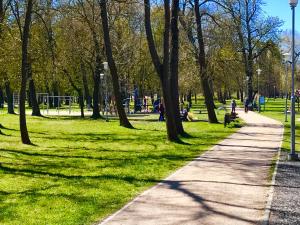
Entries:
{"x":275,"y":109}
{"x":82,"y":170}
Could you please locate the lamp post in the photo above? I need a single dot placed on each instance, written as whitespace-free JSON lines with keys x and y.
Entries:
{"x":105,"y":67}
{"x":258,"y":74}
{"x":102,"y":91}
{"x":246,"y":86}
{"x":286,"y":62}
{"x":293,"y":155}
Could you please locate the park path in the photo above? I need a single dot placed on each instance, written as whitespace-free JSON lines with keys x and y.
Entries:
{"x":227,"y":185}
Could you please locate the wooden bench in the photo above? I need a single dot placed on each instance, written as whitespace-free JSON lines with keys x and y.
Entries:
{"x":201,"y":111}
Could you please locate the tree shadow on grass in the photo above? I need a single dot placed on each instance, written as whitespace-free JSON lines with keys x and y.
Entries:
{"x":3,"y":134}
{"x":5,"y":128}
{"x":32,"y":173}
{"x":104,"y":158}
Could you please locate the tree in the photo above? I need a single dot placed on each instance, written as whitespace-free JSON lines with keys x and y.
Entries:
{"x":113,"y":69}
{"x":24,"y":73}
{"x":3,"y":9}
{"x":254,"y":32}
{"x":90,"y":19}
{"x":208,"y":94}
{"x":198,"y":43}
{"x":163,"y":68}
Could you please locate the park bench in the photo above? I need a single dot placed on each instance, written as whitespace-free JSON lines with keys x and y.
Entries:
{"x":229,"y":117}
{"x":201,"y":111}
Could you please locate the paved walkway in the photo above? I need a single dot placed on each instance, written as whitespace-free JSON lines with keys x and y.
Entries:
{"x":228,"y":185}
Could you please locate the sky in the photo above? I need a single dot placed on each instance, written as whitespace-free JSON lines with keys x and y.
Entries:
{"x":282,"y":9}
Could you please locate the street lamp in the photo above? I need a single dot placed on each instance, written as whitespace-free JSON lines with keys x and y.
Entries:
{"x":105,"y":83}
{"x":102,"y":92}
{"x":246,"y":86}
{"x":258,"y":74}
{"x":105,"y":66}
{"x":293,"y":155}
{"x":286,"y":62}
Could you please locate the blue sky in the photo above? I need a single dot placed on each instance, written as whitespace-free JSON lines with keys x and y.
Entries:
{"x":281,"y":9}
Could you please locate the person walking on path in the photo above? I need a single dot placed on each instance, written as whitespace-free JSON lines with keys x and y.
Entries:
{"x":233,"y":106}
{"x":227,"y":185}
{"x":246,"y":104}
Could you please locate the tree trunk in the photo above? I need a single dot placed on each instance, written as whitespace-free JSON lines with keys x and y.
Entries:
{"x":96,"y":109}
{"x":34,"y":103}
{"x":166,"y":77}
{"x":10,"y":98}
{"x":32,"y":94}
{"x":242,"y":95}
{"x":1,"y":98}
{"x":29,"y":99}
{"x":209,"y":98}
{"x":174,"y":66}
{"x":189,"y":98}
{"x":170,"y":121}
{"x":24,"y":73}
{"x":220,"y":98}
{"x":81,"y":104}
{"x":113,"y":69}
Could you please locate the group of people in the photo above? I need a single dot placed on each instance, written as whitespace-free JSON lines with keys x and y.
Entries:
{"x":246,"y":105}
{"x":161,"y":109}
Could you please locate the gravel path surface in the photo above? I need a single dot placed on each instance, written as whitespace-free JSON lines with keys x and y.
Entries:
{"x":228,"y":185}
{"x":285,"y":208}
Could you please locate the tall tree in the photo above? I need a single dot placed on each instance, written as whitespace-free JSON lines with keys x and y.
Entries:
{"x":32,"y":90}
{"x":163,"y":68}
{"x":198,"y":48}
{"x":174,"y":65}
{"x":208,"y":94}
{"x":91,"y":20}
{"x":24,"y":72}
{"x":113,"y":69}
{"x":3,"y":9}
{"x":253,"y":32}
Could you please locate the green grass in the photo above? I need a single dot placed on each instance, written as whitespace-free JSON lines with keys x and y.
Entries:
{"x":82,"y":170}
{"x":275,"y":109}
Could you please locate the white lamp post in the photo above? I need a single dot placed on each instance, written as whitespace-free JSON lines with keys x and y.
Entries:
{"x":102,"y":92}
{"x":293,"y":155}
{"x":286,"y":62}
{"x":258,"y":74}
{"x":105,"y":67}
